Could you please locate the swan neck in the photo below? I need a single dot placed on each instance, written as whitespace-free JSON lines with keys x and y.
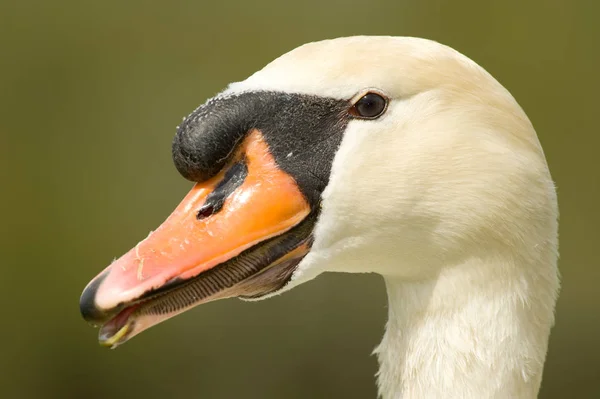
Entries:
{"x":470,"y":332}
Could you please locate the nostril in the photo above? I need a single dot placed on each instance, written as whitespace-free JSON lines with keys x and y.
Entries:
{"x":205,"y":211}
{"x":233,"y":179}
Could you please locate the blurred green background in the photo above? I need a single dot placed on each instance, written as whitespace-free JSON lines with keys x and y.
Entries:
{"x":90,"y":94}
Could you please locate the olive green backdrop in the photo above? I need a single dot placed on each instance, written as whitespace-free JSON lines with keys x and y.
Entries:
{"x":90,"y":94}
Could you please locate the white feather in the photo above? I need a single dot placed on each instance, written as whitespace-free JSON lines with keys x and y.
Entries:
{"x":449,"y":197}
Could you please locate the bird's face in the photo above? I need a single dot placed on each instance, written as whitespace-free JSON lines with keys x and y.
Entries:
{"x":337,"y":156}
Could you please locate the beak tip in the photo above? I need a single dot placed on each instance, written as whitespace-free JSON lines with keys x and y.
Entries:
{"x":87,"y":303}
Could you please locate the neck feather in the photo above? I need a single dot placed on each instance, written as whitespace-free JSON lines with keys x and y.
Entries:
{"x":477,"y":330}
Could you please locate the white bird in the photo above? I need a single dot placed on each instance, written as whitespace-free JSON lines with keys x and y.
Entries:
{"x":392,"y":155}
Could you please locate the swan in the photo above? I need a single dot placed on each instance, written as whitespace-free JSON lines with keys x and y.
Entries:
{"x":390,"y":155}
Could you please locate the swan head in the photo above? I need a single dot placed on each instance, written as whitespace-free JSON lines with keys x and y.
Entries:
{"x":398,"y":156}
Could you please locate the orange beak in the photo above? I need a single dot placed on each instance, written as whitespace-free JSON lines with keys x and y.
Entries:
{"x":248,"y":203}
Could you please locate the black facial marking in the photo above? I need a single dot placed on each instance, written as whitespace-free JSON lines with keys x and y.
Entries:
{"x":303,"y":133}
{"x":234,"y":177}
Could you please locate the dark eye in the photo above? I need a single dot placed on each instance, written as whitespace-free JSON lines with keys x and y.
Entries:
{"x":369,"y":106}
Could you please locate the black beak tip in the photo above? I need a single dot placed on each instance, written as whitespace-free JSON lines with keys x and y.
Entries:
{"x":87,"y":304}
